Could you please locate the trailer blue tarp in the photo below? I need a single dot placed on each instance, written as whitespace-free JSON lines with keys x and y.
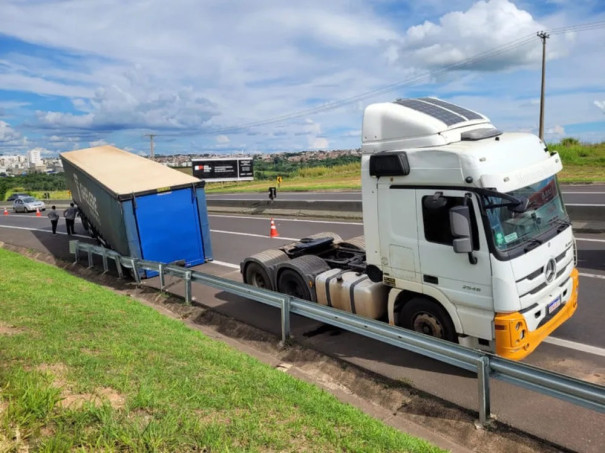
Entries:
{"x":138,"y":207}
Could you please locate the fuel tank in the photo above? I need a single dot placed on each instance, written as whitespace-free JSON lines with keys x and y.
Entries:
{"x":352,"y":292}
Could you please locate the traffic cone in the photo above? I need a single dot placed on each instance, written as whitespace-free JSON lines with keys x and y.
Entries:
{"x":273,"y":232}
{"x":5,"y":211}
{"x":38,"y":212}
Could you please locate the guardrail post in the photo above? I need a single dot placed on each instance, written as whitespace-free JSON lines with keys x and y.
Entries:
{"x":188,"y":287}
{"x":90,"y":263}
{"x":104,"y":256}
{"x":135,"y":271}
{"x":483,"y":381}
{"x":119,"y":266}
{"x":74,"y":248}
{"x":161,"y":272}
{"x":285,"y":319}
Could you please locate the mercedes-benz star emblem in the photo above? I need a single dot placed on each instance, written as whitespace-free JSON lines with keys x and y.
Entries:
{"x":550,"y":270}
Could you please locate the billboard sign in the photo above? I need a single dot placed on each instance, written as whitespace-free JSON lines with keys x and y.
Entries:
{"x":223,"y":169}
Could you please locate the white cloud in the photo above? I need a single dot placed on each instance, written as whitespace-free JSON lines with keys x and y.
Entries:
{"x":486,"y":25}
{"x":319,"y":143}
{"x":557,"y":130}
{"x":187,"y":69}
{"x":9,"y":136}
{"x":97,"y":143}
{"x":134,"y":105}
{"x":600,"y":105}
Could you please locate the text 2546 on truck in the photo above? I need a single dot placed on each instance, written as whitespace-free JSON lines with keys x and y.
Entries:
{"x":466,"y":236}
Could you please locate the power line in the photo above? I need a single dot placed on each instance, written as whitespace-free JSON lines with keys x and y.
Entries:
{"x":485,"y":55}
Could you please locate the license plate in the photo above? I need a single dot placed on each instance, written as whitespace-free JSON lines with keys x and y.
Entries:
{"x":554,"y":305}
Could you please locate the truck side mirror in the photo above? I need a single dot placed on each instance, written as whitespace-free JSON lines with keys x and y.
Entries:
{"x":521,"y":207}
{"x":460,"y":226}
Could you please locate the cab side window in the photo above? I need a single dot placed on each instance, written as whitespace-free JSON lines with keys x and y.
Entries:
{"x":436,"y":221}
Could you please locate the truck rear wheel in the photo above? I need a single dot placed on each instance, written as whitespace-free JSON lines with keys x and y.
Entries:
{"x":425,"y":316}
{"x":256,"y":275}
{"x":293,"y":284}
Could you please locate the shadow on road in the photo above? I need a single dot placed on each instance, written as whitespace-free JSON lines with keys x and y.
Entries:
{"x":330,"y":340}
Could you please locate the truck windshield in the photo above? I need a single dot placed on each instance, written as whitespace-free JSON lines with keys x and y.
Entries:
{"x":544,"y":213}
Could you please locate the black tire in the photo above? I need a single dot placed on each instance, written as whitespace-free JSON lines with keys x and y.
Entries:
{"x":293,"y":284}
{"x":425,"y":316}
{"x":256,"y":275}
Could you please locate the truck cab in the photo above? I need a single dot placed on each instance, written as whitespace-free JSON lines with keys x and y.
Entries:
{"x":466,"y":225}
{"x":466,"y":237}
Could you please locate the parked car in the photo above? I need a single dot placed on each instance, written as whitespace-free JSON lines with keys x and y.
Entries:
{"x":14,"y":196}
{"x":28,"y":204}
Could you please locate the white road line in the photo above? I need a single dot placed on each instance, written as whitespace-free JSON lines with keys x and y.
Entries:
{"x":281,"y":219}
{"x":331,"y":200}
{"x":42,"y":231}
{"x":590,"y":240}
{"x":224,"y":264}
{"x":585,"y":204}
{"x":577,"y":346}
{"x":582,"y":274}
{"x":265,"y":236}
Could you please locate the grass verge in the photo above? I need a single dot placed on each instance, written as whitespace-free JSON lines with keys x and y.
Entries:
{"x":346,"y":177}
{"x":82,"y":368}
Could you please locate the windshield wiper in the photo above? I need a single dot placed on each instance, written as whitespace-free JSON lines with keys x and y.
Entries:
{"x":561,"y":223}
{"x":532,"y":244}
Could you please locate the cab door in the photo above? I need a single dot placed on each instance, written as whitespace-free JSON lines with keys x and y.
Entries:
{"x":466,"y":285}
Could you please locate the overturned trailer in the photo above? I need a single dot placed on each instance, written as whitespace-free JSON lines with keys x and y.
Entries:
{"x":138,"y":207}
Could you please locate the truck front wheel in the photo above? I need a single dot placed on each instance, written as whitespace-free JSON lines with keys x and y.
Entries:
{"x":292,"y":283}
{"x":256,"y":275}
{"x":425,"y":316}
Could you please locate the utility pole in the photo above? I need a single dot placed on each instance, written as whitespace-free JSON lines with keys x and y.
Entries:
{"x":151,"y":155}
{"x":543,"y":36}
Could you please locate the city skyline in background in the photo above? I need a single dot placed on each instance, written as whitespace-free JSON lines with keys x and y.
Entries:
{"x":263,"y":77}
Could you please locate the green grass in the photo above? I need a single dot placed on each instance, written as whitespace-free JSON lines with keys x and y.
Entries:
{"x":341,"y":177}
{"x":84,"y":369}
{"x":582,"y":163}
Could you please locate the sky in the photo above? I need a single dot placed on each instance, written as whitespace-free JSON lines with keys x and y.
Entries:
{"x":242,"y":76}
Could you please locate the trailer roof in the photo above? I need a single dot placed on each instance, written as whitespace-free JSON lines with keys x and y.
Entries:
{"x":123,"y":172}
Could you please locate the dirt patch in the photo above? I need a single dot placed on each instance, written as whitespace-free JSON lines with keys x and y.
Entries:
{"x":6,"y":329}
{"x":101,"y":395}
{"x":58,"y":371}
{"x":395,"y":403}
{"x":72,"y":400}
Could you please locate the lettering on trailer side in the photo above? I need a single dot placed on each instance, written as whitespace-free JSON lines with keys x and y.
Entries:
{"x":88,"y":198}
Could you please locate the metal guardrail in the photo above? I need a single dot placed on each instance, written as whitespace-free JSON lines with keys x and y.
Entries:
{"x":581,"y":393}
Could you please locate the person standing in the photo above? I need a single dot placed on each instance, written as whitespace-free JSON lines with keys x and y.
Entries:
{"x":70,"y":218}
{"x":53,"y":215}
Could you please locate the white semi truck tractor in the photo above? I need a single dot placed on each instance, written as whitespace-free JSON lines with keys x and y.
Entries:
{"x":466,"y":237}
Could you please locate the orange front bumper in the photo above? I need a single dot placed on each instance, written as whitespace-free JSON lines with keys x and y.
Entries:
{"x":515,"y":342}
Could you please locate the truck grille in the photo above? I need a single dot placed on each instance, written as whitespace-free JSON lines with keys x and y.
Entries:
{"x":535,"y":282}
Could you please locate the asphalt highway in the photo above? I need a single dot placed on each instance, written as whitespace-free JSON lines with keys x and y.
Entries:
{"x":593,"y":194}
{"x":576,"y":348}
